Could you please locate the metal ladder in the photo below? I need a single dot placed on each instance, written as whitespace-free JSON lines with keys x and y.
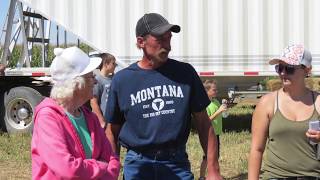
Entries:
{"x":32,"y":27}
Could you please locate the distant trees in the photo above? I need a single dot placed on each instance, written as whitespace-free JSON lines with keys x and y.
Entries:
{"x":37,"y":54}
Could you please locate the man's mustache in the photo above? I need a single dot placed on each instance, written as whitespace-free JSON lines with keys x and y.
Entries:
{"x":164,"y":50}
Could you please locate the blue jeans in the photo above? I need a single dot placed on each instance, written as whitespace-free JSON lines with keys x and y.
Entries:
{"x":157,"y":165}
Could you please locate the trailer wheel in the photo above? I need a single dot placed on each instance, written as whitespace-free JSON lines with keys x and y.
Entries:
{"x":19,"y":105}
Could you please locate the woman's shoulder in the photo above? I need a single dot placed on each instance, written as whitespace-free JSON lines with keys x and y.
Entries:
{"x":316,"y":99}
{"x":268,"y":98}
{"x":267,"y":103}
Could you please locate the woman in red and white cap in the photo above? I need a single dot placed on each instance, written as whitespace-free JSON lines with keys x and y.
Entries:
{"x":281,"y":122}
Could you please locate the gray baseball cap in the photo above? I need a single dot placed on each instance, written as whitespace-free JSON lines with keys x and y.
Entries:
{"x":154,"y":24}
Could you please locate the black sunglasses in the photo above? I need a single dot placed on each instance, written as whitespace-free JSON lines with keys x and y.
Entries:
{"x":290,"y":69}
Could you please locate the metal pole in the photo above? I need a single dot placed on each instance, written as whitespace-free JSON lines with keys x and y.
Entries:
{"x":57,"y":36}
{"x":8,"y":32}
{"x":26,"y":59}
{"x":65,"y":38}
{"x":47,"y":36}
{"x":42,"y":43}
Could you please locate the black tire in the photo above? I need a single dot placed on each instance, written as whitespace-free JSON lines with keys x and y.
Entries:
{"x":19,"y":104}
{"x":2,"y":110}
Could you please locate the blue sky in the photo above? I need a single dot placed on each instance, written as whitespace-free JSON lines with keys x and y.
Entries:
{"x":4,"y":4}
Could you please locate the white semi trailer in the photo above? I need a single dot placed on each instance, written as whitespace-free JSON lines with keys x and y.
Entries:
{"x":229,"y":40}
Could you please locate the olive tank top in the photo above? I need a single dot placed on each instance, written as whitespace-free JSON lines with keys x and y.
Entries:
{"x":288,"y":151}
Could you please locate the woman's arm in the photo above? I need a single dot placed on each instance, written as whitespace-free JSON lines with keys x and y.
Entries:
{"x":259,"y":131}
{"x":107,"y":154}
{"x":50,"y":146}
{"x":314,"y":135}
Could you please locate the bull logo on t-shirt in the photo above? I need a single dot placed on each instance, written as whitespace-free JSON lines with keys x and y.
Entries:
{"x":157,"y":104}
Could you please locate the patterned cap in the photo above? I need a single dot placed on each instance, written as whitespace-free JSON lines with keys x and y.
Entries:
{"x":294,"y":55}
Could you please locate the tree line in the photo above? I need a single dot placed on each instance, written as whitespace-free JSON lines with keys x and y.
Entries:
{"x":36,"y":52}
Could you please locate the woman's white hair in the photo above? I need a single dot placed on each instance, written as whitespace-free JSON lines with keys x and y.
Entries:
{"x":65,"y":90}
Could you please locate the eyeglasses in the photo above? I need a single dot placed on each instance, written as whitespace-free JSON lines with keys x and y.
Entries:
{"x":290,"y":69}
{"x":89,"y":76}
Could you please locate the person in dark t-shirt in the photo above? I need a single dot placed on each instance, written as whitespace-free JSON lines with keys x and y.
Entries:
{"x":150,"y":106}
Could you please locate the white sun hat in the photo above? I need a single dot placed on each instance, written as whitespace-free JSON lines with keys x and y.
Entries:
{"x":70,"y":63}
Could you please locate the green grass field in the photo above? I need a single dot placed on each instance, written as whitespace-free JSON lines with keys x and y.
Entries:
{"x":233,"y":156}
{"x":15,"y":157}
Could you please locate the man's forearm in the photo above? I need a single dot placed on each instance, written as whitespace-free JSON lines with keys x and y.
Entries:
{"x":212,"y":152}
{"x":96,"y":109}
{"x":101,"y":119}
{"x":112,"y":135}
{"x":208,"y":142}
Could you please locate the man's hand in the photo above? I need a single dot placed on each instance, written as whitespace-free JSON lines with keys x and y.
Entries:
{"x":112,"y":131}
{"x":208,"y":141}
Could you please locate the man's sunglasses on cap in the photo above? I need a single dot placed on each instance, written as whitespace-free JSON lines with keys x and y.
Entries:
{"x":290,"y":69}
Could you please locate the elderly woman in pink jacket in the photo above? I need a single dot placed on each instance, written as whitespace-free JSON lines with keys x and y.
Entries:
{"x":68,"y":141}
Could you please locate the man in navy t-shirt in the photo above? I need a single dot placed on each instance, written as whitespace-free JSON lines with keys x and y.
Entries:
{"x":150,"y":105}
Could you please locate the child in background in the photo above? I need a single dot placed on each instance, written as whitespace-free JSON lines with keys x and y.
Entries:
{"x":214,"y":111}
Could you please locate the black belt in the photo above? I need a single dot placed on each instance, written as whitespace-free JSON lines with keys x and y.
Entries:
{"x":297,"y":178}
{"x":159,"y":152}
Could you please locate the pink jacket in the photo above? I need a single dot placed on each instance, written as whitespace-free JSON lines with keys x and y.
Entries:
{"x":57,"y":152}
